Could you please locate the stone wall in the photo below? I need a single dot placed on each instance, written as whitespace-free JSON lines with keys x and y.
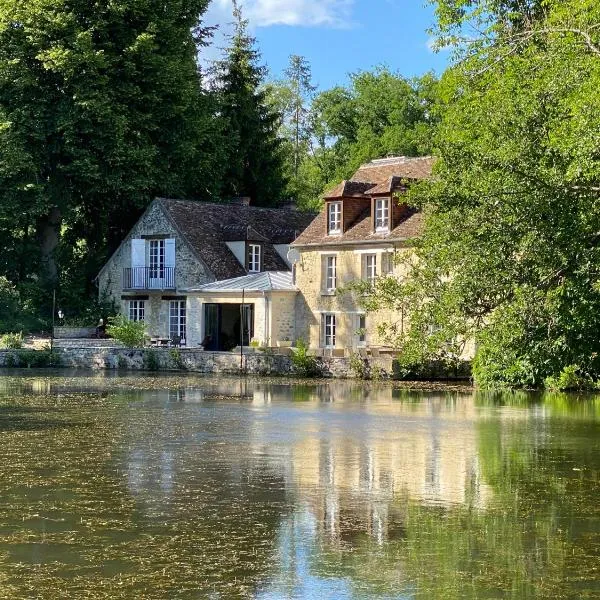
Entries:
{"x":193,"y":360}
{"x":74,"y":332}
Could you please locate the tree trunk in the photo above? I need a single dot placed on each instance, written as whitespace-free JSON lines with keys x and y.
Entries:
{"x":48,"y":234}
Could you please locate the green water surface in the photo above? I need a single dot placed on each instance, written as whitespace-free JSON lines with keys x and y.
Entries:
{"x":161,"y":487}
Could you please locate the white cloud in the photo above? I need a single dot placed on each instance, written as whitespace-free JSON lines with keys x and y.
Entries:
{"x":304,"y":13}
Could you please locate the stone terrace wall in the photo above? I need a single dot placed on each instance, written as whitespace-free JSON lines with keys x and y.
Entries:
{"x":193,"y":360}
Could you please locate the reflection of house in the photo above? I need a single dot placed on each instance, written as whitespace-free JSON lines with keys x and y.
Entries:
{"x":178,"y":245}
{"x":357,"y":236}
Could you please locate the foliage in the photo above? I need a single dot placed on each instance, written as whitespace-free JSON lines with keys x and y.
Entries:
{"x":151,"y":362}
{"x":304,"y":364}
{"x":569,"y":379}
{"x":254,"y":160}
{"x":101,"y":109}
{"x":510,"y":253}
{"x":176,"y":359}
{"x":130,"y":333}
{"x":12,"y":340}
{"x":290,"y":97}
{"x":32,"y":359}
{"x":360,"y":367}
{"x":15,"y":313}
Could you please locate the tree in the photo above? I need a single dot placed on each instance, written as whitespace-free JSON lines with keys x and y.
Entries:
{"x":254,"y":159}
{"x":101,"y":109}
{"x":299,"y":76}
{"x":510,"y":254}
{"x":380,"y":113}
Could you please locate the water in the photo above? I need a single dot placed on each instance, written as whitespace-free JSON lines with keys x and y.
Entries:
{"x":130,"y":487}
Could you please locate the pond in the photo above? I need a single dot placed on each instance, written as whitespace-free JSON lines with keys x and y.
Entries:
{"x":192,"y":487}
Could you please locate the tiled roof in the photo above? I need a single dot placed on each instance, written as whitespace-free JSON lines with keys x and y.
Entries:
{"x":379,"y":171}
{"x":349,"y":189}
{"x":255,"y":282}
{"x":202,"y":225}
{"x":387,"y":187}
{"x":377,"y":177}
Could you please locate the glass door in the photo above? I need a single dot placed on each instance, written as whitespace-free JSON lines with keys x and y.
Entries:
{"x":177,"y":320}
{"x":156,"y":272}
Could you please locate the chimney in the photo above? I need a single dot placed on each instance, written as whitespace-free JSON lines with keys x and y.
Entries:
{"x":289,"y":204}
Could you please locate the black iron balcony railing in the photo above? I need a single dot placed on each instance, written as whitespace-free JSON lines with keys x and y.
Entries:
{"x":149,"y":278}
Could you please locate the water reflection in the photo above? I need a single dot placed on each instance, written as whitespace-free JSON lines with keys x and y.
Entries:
{"x":205,"y":487}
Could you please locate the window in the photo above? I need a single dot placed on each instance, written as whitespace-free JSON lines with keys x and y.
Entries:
{"x":382,"y":214}
{"x":137,"y":310}
{"x":387,"y":263}
{"x":157,"y":259}
{"x":254,"y":258}
{"x":361,"y":330}
{"x":330,"y":268}
{"x":370,"y":267}
{"x":334,"y":217}
{"x":177,"y":319}
{"x":328,"y":325}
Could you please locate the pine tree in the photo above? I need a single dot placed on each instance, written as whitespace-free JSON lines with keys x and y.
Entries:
{"x":299,"y":76}
{"x":254,"y":163}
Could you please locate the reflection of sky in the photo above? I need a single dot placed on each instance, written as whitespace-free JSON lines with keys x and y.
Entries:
{"x":297,"y":546}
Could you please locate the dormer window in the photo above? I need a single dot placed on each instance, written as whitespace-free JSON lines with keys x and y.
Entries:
{"x":334,"y":218}
{"x":382,"y":214}
{"x":254,"y":258}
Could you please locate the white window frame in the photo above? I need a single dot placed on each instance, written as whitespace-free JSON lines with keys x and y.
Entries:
{"x":137,"y":310}
{"x":254,"y":257}
{"x":382,"y":214}
{"x":328,"y":329}
{"x":334,"y":218}
{"x":178,"y":319}
{"x":330,"y":272}
{"x":370,"y":268}
{"x":157,"y":253}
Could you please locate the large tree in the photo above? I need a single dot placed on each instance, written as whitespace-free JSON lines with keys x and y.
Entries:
{"x":511,"y":251}
{"x":254,"y":157}
{"x":101,"y":108}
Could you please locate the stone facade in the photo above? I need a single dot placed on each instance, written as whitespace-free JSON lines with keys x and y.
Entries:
{"x":189,"y":271}
{"x":314,"y":300}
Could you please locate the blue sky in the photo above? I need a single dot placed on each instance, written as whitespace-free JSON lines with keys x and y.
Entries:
{"x":339,"y":36}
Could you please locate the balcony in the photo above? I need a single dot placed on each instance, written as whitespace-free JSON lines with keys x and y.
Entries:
{"x":149,"y":278}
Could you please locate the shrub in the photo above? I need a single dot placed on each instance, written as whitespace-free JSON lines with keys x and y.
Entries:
{"x":151,"y":362}
{"x":12,"y":341}
{"x":360,"y":367}
{"x":304,"y":364}
{"x":569,"y":379}
{"x":130,"y":333}
{"x":176,"y":359}
{"x":32,"y":359}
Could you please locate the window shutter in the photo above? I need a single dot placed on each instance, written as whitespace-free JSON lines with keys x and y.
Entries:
{"x":138,"y":253}
{"x":137,"y":278}
{"x":170,"y":253}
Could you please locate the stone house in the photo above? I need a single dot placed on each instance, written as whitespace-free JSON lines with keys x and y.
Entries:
{"x":166,"y":271}
{"x":356,"y":236}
